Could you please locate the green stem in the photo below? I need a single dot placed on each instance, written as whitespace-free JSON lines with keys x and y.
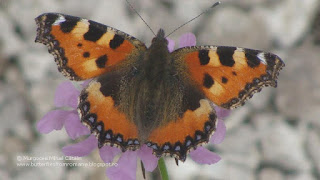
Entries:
{"x":163,"y":169}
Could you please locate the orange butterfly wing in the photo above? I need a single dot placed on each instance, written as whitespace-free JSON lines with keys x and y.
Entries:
{"x":229,"y":76}
{"x":178,"y":137}
{"x":82,"y":48}
{"x":99,"y":111}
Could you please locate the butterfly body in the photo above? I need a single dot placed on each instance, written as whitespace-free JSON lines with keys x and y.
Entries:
{"x":146,"y":86}
{"x":151,"y":96}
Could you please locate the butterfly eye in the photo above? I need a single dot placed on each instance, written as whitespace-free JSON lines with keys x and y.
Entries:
{"x":154,"y":40}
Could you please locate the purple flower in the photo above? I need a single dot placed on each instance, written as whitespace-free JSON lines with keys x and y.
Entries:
{"x":125,"y":168}
{"x":66,"y":97}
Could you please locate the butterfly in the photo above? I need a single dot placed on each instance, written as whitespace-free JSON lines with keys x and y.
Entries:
{"x":147,"y":95}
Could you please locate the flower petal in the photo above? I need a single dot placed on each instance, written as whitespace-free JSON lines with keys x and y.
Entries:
{"x":82,"y":148}
{"x":66,"y":95}
{"x":203,"y":156}
{"x":218,"y":136}
{"x":126,"y":169}
{"x":85,"y":83}
{"x":222,"y":112}
{"x":74,"y":127}
{"x":149,"y":160}
{"x":53,"y":120}
{"x":107,"y":153}
{"x":188,"y":39}
{"x":171,"y":44}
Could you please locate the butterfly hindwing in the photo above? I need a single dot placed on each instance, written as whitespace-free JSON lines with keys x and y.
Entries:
{"x":99,"y":110}
{"x":229,"y":76}
{"x":177,"y":138}
{"x":82,"y":48}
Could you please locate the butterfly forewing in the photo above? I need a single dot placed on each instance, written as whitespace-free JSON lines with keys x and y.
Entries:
{"x":82,"y":48}
{"x":229,"y":75}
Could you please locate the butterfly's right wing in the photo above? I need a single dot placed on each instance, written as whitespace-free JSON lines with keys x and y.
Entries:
{"x":229,"y":76}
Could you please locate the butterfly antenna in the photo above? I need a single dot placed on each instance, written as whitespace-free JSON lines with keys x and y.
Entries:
{"x":140,"y":16}
{"x":214,"y":5}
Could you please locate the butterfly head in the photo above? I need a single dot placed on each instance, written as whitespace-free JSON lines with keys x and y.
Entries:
{"x":159,"y":46}
{"x":160,"y":38}
{"x":160,"y":33}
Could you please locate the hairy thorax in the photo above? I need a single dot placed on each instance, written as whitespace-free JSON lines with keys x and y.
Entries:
{"x":154,"y":92}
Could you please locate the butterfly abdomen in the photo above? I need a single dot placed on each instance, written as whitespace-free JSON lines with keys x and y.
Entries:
{"x":155,"y":100}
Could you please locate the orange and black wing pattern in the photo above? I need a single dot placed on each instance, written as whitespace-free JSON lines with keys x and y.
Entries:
{"x":193,"y":128}
{"x":229,"y":76}
{"x":99,"y":110}
{"x":82,"y":48}
{"x":212,"y":76}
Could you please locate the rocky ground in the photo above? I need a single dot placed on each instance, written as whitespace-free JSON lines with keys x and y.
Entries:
{"x":276,"y":135}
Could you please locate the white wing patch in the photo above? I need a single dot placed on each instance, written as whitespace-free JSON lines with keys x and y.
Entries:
{"x":262,"y":57}
{"x":59,"y":20}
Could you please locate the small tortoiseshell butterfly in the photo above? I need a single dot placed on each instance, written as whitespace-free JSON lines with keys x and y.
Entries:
{"x":150,"y":96}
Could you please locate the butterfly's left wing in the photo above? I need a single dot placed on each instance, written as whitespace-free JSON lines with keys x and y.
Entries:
{"x":229,"y":76}
{"x":82,"y":48}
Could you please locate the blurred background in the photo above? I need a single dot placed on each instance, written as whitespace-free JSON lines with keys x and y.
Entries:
{"x":276,"y":135}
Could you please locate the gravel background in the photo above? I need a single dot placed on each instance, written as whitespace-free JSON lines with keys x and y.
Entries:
{"x":276,"y":135}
